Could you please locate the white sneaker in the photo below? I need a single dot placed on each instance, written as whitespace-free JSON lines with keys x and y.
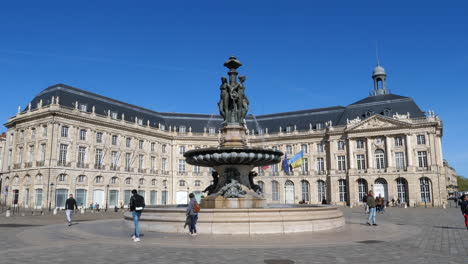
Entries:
{"x":194,"y":234}
{"x":133,"y":237}
{"x":137,"y":239}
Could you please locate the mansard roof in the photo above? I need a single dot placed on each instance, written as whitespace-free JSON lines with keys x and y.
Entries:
{"x":386,"y":105}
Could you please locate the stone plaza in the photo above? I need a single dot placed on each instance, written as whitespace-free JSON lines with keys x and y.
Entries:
{"x":404,"y":235}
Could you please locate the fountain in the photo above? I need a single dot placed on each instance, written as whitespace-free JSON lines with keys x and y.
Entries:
{"x":235,"y":204}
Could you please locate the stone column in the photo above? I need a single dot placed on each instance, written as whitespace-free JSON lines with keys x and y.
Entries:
{"x":409,"y":152}
{"x":432,"y":151}
{"x":370,"y":163}
{"x":389,"y":152}
{"x":352,"y":164}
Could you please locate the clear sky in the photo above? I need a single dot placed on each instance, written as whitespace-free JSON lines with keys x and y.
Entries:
{"x":168,"y":55}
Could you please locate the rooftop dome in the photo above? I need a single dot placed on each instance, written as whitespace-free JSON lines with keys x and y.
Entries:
{"x":378,"y":70}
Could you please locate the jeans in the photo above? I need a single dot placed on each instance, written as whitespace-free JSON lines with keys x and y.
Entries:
{"x":69,"y":214}
{"x":371,"y":216}
{"x":136,"y":217}
{"x":193,"y":223}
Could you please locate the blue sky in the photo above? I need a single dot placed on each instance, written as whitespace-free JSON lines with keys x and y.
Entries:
{"x":296,"y":54}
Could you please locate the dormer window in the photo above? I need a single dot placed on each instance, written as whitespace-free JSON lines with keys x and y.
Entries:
{"x":320,"y":125}
{"x":288,"y":129}
{"x":114,"y":115}
{"x":212,"y":130}
{"x":163,"y":127}
{"x":182,"y":129}
{"x":83,"y":107}
{"x":368,"y":113}
{"x":139,"y":121}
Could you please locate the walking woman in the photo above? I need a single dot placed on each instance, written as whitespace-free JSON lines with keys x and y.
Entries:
{"x":464,"y":208}
{"x":192,"y":211}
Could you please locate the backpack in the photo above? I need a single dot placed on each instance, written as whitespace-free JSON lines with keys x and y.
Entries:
{"x":139,"y":202}
{"x":364,"y":198}
{"x":196,"y":208}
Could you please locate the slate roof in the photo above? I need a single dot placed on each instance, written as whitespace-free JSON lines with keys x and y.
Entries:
{"x":387,"y":104}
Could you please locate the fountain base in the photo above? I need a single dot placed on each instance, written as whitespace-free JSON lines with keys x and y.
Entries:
{"x":219,"y":202}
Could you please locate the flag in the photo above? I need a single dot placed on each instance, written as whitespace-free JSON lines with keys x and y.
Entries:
{"x":296,"y":160}
{"x":286,"y":164}
{"x":265,"y":167}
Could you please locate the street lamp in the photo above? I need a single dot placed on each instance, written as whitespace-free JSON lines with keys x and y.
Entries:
{"x":107,"y":199}
{"x":188,"y":199}
{"x":165,"y":195}
{"x":50,"y":193}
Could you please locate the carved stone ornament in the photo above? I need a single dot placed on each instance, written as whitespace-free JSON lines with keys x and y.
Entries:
{"x":375,"y":123}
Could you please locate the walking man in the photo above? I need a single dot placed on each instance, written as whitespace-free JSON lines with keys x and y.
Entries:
{"x":137,"y":204}
{"x":464,"y":208}
{"x":192,"y":211}
{"x":70,"y":206}
{"x":371,"y":205}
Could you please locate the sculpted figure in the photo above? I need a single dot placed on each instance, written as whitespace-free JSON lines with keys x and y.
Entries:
{"x":210,"y":189}
{"x":256,"y":188}
{"x":223,"y":103}
{"x":232,"y":190}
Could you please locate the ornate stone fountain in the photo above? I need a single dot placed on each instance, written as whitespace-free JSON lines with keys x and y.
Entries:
{"x":235,"y":204}
{"x":233,"y":160}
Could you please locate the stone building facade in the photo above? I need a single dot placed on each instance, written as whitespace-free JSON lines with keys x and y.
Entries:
{"x":69,"y":140}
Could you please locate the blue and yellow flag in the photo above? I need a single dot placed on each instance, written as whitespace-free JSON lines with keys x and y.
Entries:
{"x":296,"y":160}
{"x":286,"y":164}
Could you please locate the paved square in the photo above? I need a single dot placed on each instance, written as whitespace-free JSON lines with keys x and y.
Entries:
{"x":412,"y":235}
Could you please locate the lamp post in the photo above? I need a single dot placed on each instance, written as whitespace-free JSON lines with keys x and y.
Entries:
{"x":50,"y":193}
{"x":107,"y":198}
{"x":165,"y":195}
{"x":188,"y":199}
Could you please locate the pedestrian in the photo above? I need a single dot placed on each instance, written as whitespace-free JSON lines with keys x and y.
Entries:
{"x":364,"y":200}
{"x":97,"y":207}
{"x":192,"y":210}
{"x":324,"y":201}
{"x":464,"y":208}
{"x":137,"y":204}
{"x":379,"y":202}
{"x":70,"y":206}
{"x":371,"y":205}
{"x":393,"y":202}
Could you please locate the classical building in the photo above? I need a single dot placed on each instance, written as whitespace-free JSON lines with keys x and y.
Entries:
{"x":69,"y":140}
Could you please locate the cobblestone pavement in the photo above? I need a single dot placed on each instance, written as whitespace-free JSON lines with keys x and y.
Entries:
{"x":412,"y":235}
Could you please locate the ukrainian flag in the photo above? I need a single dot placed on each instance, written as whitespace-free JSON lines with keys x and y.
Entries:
{"x":296,"y":160}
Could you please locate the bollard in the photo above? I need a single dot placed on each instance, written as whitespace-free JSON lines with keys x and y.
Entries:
{"x":8,"y":213}
{"x":82,"y":210}
{"x":55,"y":211}
{"x":406,"y":206}
{"x":444,"y":206}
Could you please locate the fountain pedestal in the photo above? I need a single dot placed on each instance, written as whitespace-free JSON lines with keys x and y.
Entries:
{"x":218,"y":202}
{"x":233,"y":136}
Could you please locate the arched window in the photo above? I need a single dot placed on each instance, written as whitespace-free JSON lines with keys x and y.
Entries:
{"x":16,"y":180}
{"x":128,"y":180}
{"x":402,"y":189}
{"x":27,"y":179}
{"x":342,"y":190}
{"x":424,"y":184}
{"x":181,"y":183}
{"x":99,"y":179}
{"x":153,"y":182}
{"x":114,"y":180}
{"x":141,"y":181}
{"x":305,"y":190}
{"x":39,"y":178}
{"x":362,"y":188}
{"x":81,"y":178}
{"x":274,"y":191}
{"x":321,"y":190}
{"x":197,"y":183}
{"x":379,"y":159}
{"x":62,"y":177}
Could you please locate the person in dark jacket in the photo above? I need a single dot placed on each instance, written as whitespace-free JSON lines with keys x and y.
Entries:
{"x":70,"y":206}
{"x":464,"y":209}
{"x":193,"y":215}
{"x":371,"y":205}
{"x":137,"y":204}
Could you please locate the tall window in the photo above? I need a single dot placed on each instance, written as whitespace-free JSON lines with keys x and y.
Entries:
{"x":81,"y":178}
{"x":63,"y":154}
{"x":181,"y":149}
{"x":341,"y":145}
{"x":114,"y":140}
{"x":362,"y":188}
{"x":341,"y":163}
{"x":99,"y":137}
{"x":113,"y":198}
{"x":360,"y":143}
{"x":398,"y":141}
{"x":305,"y":190}
{"x":81,"y":156}
{"x":164,"y":197}
{"x":43,"y":152}
{"x":399,"y":160}
{"x":64,"y":132}
{"x":31,"y":153}
{"x":62,"y":177}
{"x":98,"y":158}
{"x":361,"y":161}
{"x":163,"y":164}
{"x":153,"y":146}
{"x":425,"y":190}
{"x":421,"y":139}
{"x":304,"y":148}
{"x":289,"y":149}
{"x":33,"y":133}
{"x":128,"y":142}
{"x":402,"y":189}
{"x":114,"y":180}
{"x":153,"y":197}
{"x":141,"y":181}
{"x":114,"y":160}
{"x":127,"y":195}
{"x":80,"y":196}
{"x":319,"y":147}
{"x":128,"y":161}
{"x":321,"y":190}
{"x":379,"y":159}
{"x":342,"y":190}
{"x":181,"y":183}
{"x":152,"y":163}
{"x":163,"y":148}
{"x":305,"y":165}
{"x":320,"y":165}
{"x":140,"y":161}
{"x":140,"y":144}
{"x":153,"y":182}
{"x":82,"y":134}
{"x":197,"y":183}
{"x":181,"y":166}
{"x":38,"y":198}
{"x":196,"y":169}
{"x":422,"y":159}
{"x":274,"y":191}
{"x":44,"y":132}
{"x":20,"y":155}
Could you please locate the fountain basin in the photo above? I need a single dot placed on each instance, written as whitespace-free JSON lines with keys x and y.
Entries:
{"x":209,"y":157}
{"x":271,"y":220}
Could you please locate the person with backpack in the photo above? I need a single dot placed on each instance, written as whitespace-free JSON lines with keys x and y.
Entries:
{"x":137,"y":204}
{"x":70,"y":206}
{"x":192,"y":210}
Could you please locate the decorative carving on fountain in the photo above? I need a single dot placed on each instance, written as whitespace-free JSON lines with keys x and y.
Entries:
{"x":232,"y":190}
{"x":212,"y":188}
